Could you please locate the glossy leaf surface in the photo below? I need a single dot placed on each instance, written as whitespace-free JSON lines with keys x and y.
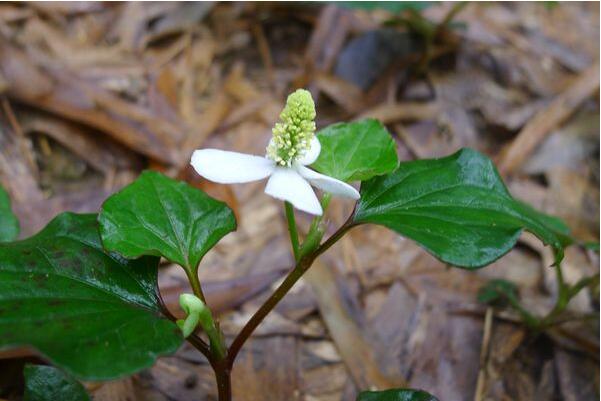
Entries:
{"x":396,"y":395}
{"x":356,"y":151}
{"x":156,"y":215}
{"x":95,"y":315}
{"x":47,"y":383}
{"x":9,"y":225}
{"x":457,"y":208}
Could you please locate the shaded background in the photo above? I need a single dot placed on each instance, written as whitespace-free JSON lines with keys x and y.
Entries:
{"x":91,"y":94}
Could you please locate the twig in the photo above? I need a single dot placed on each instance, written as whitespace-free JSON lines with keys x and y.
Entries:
{"x":265,"y":52}
{"x":295,"y":274}
{"x":481,"y":383}
{"x":62,"y":92}
{"x":553,"y":115}
{"x":12,"y":118}
{"x":354,"y":345}
{"x":388,"y":113}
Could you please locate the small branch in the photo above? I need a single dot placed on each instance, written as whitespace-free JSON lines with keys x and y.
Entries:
{"x":565,"y":294}
{"x":335,"y":237}
{"x":202,"y":346}
{"x":543,"y":123}
{"x":263,"y":311}
{"x":457,"y":7}
{"x":572,"y":318}
{"x":582,"y":283}
{"x":301,"y":267}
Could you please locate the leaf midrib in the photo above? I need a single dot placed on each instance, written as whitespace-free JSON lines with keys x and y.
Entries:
{"x":403,"y":204}
{"x":180,"y":242}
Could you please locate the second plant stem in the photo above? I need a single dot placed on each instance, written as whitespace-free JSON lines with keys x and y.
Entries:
{"x":565,"y":293}
{"x":301,"y":266}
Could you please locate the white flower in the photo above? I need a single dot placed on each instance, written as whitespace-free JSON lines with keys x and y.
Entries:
{"x":292,"y":148}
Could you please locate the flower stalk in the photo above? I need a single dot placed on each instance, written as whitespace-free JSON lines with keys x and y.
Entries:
{"x":292,"y":230}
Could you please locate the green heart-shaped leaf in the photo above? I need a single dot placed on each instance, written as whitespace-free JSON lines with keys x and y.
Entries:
{"x":396,"y":395}
{"x":356,"y":151}
{"x":47,"y":383}
{"x":9,"y":225}
{"x":156,"y":215}
{"x":93,"y":314}
{"x":457,"y":208}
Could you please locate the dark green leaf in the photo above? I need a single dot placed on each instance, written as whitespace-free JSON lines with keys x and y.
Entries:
{"x":396,"y":395}
{"x":356,"y":151}
{"x":156,"y":215}
{"x":47,"y":383}
{"x":93,"y":314}
{"x":498,"y":291}
{"x":9,"y":225}
{"x":457,"y":208}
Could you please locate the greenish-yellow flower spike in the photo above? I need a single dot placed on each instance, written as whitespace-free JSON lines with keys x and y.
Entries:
{"x":293,"y":134}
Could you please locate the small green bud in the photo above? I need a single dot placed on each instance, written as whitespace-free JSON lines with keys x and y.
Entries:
{"x":194,"y":308}
{"x":198,"y":313}
{"x":293,"y":134}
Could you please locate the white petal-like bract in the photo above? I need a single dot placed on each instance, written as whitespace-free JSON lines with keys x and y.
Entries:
{"x":230,"y":167}
{"x":328,"y":184}
{"x":286,"y":184}
{"x":312,"y":154}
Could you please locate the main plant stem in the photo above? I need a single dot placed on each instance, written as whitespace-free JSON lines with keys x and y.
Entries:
{"x":224,"y":380}
{"x":223,"y":365}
